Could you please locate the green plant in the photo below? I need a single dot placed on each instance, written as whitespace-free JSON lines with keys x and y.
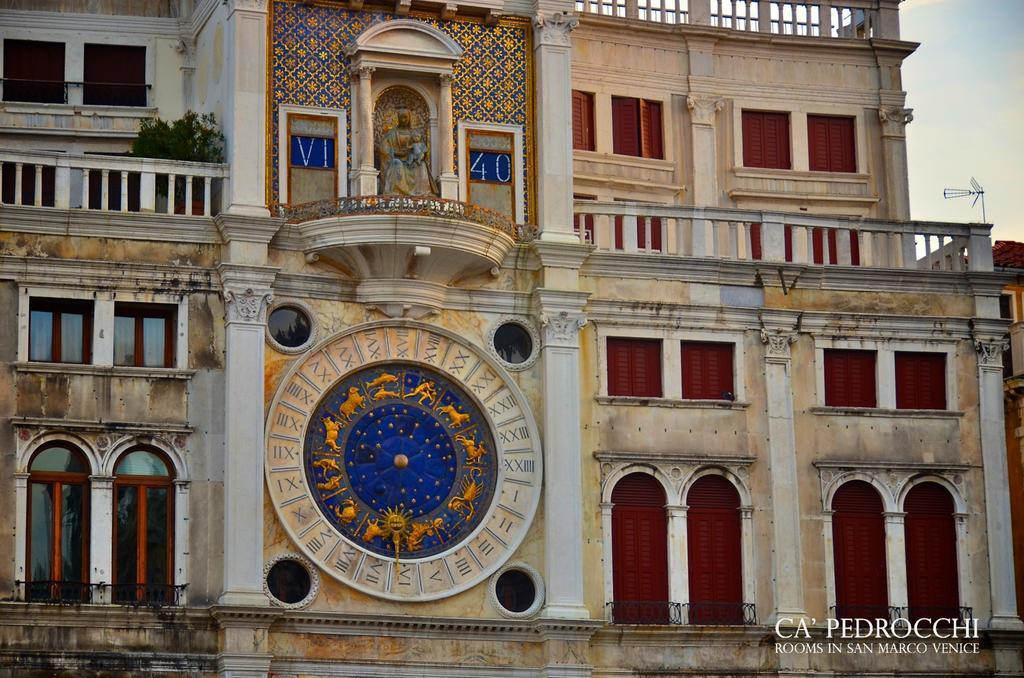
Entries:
{"x":192,"y":137}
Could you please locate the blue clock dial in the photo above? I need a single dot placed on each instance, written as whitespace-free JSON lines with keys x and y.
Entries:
{"x":401,"y":460}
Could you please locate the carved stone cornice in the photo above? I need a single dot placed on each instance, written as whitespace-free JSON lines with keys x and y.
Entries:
{"x":554,"y":29}
{"x":895,"y":119}
{"x":703,"y":108}
{"x":247,"y":228}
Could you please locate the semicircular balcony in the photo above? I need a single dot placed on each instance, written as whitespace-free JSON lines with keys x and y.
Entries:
{"x":403,"y":248}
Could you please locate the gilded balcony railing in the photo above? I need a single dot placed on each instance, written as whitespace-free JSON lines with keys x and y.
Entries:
{"x":399,"y":204}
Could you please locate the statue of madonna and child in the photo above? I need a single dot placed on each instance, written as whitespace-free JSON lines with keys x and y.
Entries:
{"x":404,"y":158}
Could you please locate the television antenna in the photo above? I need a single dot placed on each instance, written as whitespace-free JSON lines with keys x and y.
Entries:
{"x":976,"y":191}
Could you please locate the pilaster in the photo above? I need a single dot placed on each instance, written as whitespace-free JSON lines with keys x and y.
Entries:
{"x":244,"y":641}
{"x":896,"y":558}
{"x":101,"y":530}
{"x":704,"y":157}
{"x":678,"y":579}
{"x":894,"y":121}
{"x":553,"y":62}
{"x":778,"y":333}
{"x":561,"y":316}
{"x":363,"y":178}
{"x":448,"y":180}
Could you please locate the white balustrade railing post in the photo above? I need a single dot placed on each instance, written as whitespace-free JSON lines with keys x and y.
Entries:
{"x":18,"y":171}
{"x":188,"y":195}
{"x":62,"y":184}
{"x":843,"y":256}
{"x":979,"y":249}
{"x":825,"y":18}
{"x":700,"y":12}
{"x":147,"y":191}
{"x":773,"y":238}
{"x":207,"y":185}
{"x":105,"y":190}
{"x":632,"y":11}
{"x":37,"y":185}
{"x":629,"y":240}
{"x":85,"y":188}
{"x":908,"y":247}
{"x":171,"y":181}
{"x":124,"y":191}
{"x":764,"y":16}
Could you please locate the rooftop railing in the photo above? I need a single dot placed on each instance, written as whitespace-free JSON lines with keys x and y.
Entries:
{"x":856,"y":19}
{"x":110,"y":183}
{"x":755,"y":236}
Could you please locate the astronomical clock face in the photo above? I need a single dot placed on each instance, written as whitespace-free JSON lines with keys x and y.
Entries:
{"x":402,"y":462}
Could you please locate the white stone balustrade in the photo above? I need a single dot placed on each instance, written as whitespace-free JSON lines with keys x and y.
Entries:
{"x":856,"y":19}
{"x":63,"y":181}
{"x":798,"y":238}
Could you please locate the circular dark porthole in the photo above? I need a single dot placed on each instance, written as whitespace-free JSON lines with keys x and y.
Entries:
{"x":513,"y":343}
{"x":515,"y":591}
{"x":289,"y":581}
{"x":290,"y":326}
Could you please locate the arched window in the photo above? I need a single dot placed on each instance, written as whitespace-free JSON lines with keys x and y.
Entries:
{"x":858,"y":535}
{"x":58,"y":518}
{"x":639,"y":551}
{"x":143,"y":528}
{"x":932,"y":586}
{"x":715,"y":564}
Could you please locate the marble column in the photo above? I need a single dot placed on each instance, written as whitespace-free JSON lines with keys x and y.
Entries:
{"x":247,"y":294}
{"x":449,"y":182}
{"x":364,"y":175}
{"x":553,"y":60}
{"x":894,"y":121}
{"x":562,"y":317}
{"x":997,"y":492}
{"x":101,"y":533}
{"x":787,"y":558}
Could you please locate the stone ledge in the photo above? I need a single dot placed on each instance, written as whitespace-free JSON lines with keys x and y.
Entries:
{"x":104,"y":370}
{"x":631,"y":401}
{"x":885,"y":412}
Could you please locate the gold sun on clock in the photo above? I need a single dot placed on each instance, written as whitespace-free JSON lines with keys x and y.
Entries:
{"x":402,"y":461}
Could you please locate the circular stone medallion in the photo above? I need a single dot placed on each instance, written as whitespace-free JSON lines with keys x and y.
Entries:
{"x":401,"y":461}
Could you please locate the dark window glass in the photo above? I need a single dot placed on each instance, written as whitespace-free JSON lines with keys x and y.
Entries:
{"x":290,"y":326}
{"x":289,"y":581}
{"x":515,"y":590}
{"x":41,"y":541}
{"x":513,"y":343}
{"x":127,"y":534}
{"x":143,"y":538}
{"x":60,"y":330}
{"x":115,"y":75}
{"x":144,"y":335}
{"x":40,"y":336}
{"x":124,"y":340}
{"x":34,"y":71}
{"x":157,"y":555}
{"x":59,"y":459}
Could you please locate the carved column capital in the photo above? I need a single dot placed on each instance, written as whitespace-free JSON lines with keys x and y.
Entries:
{"x":554,"y":29}
{"x":703,"y":108}
{"x":247,"y":306}
{"x":445,"y":79}
{"x":361,"y":71}
{"x":777,"y":344}
{"x":562,"y":328}
{"x":895,"y":119}
{"x":990,"y":351}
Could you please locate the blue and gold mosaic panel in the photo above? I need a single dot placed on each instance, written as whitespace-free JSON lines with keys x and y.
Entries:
{"x":308,"y":67}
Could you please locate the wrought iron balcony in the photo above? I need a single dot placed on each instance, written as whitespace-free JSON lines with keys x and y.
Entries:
{"x":886,"y":612}
{"x":659,"y":613}
{"x":57,"y":592}
{"x":146,"y":595}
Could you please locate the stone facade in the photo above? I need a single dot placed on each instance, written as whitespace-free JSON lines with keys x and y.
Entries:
{"x":577,"y":248}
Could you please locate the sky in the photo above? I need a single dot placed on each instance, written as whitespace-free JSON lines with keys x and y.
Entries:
{"x":966,"y":86}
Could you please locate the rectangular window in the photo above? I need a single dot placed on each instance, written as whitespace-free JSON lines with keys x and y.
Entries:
{"x":707,"y":370}
{"x":766,"y":139}
{"x":849,"y":378}
{"x":60,"y":331}
{"x":34,"y":71}
{"x":637,"y":127}
{"x":920,"y":380}
{"x":312,"y":158}
{"x":830,"y":143}
{"x":582,"y":120}
{"x":490,"y":157}
{"x":144,"y":335}
{"x":115,"y":75}
{"x":634,"y":367}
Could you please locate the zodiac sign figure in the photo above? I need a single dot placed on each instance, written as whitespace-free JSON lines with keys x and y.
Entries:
{"x":420,"y":530}
{"x":463,"y":504}
{"x":474,"y":451}
{"x":332,"y":428}
{"x":354,"y":402}
{"x":454,"y":416}
{"x":326,"y":464}
{"x":332,"y":483}
{"x":384,"y":378}
{"x":373,"y":530}
{"x":384,"y":393}
{"x":346,"y":512}
{"x":425,"y":391}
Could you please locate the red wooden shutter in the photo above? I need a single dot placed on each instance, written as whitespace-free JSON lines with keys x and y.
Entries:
{"x":714,"y":552}
{"x":707,"y":370}
{"x":854,"y":249}
{"x":34,"y":71}
{"x":634,"y":367}
{"x":619,"y":243}
{"x":789,"y":242}
{"x":766,"y":139}
{"x":651,"y":133}
{"x":641,"y":233}
{"x":849,"y":378}
{"x":582,"y":120}
{"x":833,"y":249}
{"x":115,"y":75}
{"x":626,"y":126}
{"x":755,"y":241}
{"x":920,"y":380}
{"x":932,"y":581}
{"x":858,"y":535}
{"x":817,"y":143}
{"x":753,"y":139}
{"x":656,"y":234}
{"x":639,"y":549}
{"x":817,"y":247}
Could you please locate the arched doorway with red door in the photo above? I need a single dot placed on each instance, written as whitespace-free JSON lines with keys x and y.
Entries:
{"x":714,"y":552}
{"x":640,"y":552}
{"x":858,"y":542}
